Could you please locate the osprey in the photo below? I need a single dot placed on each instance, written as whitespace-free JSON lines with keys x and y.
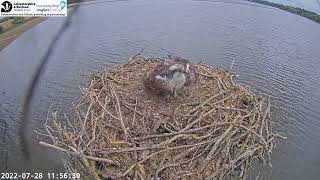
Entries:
{"x":170,"y":76}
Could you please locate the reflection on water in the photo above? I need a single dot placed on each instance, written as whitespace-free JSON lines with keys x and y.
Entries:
{"x":276,"y":54}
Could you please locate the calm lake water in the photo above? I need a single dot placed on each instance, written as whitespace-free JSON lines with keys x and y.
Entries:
{"x":276,"y":53}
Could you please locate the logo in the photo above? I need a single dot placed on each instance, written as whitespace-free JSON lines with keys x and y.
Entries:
{"x":62,"y":5}
{"x":32,"y":8}
{"x":7,"y":6}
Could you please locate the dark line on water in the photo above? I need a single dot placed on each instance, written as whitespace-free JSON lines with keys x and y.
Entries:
{"x":25,"y":114}
{"x":34,"y":82}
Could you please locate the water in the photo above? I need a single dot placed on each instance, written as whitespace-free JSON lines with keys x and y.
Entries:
{"x":276,"y":53}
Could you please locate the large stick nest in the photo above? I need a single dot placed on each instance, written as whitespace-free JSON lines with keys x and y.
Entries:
{"x":214,"y":127}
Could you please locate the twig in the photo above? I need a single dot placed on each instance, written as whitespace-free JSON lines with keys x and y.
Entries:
{"x":78,"y":154}
{"x":231,"y":67}
{"x":215,"y":146}
{"x":103,"y":107}
{"x":197,"y":120}
{"x":133,"y":57}
{"x":120,"y":115}
{"x":166,"y":166}
{"x":241,"y":156}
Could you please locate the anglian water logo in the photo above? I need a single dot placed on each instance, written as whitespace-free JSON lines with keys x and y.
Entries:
{"x":62,"y":5}
{"x":6,"y":6}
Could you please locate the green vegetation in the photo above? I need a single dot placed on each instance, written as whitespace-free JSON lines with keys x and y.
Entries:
{"x":72,"y":1}
{"x":11,"y":31}
{"x":18,"y":20}
{"x":299,"y":11}
{"x":9,"y":23}
{"x":5,"y":19}
{"x":12,"y":27}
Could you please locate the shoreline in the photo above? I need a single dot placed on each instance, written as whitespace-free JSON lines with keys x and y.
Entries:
{"x":7,"y":37}
{"x":313,"y":16}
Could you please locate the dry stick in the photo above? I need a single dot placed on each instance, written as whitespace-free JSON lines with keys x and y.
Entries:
{"x":177,"y":133}
{"x":164,"y":143}
{"x":114,"y":79}
{"x":231,"y":67}
{"x":228,"y":144}
{"x":133,"y":57}
{"x":197,"y":120}
{"x":58,"y":127}
{"x":222,"y":100}
{"x":168,"y":129}
{"x":205,"y":149}
{"x":217,"y":165}
{"x":244,"y":167}
{"x":128,"y":170}
{"x":219,"y":85}
{"x":230,"y":108}
{"x":164,"y":156}
{"x":84,"y":123}
{"x":210,"y":133}
{"x":132,"y":109}
{"x":194,"y":155}
{"x":103,"y":113}
{"x":93,"y":138}
{"x":207,"y":101}
{"x":216,"y":145}
{"x":127,"y":150}
{"x":106,"y":109}
{"x":259,"y":110}
{"x":187,"y":152}
{"x":41,"y":134}
{"x":189,"y":131}
{"x":242,"y":156}
{"x":183,"y":175}
{"x":225,"y":162}
{"x":134,"y":113}
{"x":264,"y":117}
{"x":213,"y":76}
{"x":120,"y":114}
{"x":140,"y":176}
{"x":69,"y":123}
{"x":279,"y":136}
{"x":87,"y":164}
{"x":78,"y":154}
{"x":140,"y":162}
{"x":166,"y":166}
{"x":47,"y":129}
{"x":264,"y":143}
{"x":268,"y":123}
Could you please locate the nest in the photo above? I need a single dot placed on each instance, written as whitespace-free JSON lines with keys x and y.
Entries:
{"x":214,"y":128}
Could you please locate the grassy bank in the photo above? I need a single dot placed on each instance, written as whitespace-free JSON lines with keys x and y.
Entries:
{"x":299,"y":11}
{"x":12,"y":28}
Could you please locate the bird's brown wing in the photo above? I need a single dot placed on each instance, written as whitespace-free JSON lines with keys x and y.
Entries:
{"x":157,"y":86}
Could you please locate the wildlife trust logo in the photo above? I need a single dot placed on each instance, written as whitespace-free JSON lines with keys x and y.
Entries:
{"x":6,"y":6}
{"x":33,"y":7}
